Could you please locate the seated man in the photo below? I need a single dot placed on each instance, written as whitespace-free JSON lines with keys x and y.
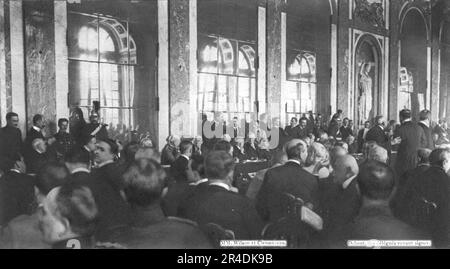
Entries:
{"x":214,"y":202}
{"x":375,"y":219}
{"x":23,"y":231}
{"x":68,"y":217}
{"x":144,"y":185}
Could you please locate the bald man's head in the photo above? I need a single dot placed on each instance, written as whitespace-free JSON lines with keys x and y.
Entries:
{"x":345,"y":167}
{"x":296,"y":149}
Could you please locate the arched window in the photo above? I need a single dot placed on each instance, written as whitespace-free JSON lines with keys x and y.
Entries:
{"x":301,"y":84}
{"x":226,"y":77}
{"x":102,"y":58}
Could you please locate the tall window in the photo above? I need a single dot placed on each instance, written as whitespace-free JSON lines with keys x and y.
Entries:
{"x":301,"y":83}
{"x":227,"y":77}
{"x":102,"y":58}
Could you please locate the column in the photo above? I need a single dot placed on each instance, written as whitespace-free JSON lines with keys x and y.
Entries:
{"x":163,"y":72}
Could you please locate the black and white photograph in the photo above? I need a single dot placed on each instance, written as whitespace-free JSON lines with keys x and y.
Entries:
{"x":238,"y":126}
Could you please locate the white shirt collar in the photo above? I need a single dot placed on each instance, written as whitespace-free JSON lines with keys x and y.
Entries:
{"x":220,"y":184}
{"x":86,"y":148}
{"x":424,"y":123}
{"x":347,"y":182}
{"x":37,"y":128}
{"x":80,"y":169}
{"x":404,"y":121}
{"x":185,"y":156}
{"x":294,"y":161}
{"x":105,"y":163}
{"x":198,"y":182}
{"x":382,"y":128}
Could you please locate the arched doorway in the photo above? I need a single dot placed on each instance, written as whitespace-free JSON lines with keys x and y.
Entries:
{"x":367,"y":79}
{"x":413,"y":62}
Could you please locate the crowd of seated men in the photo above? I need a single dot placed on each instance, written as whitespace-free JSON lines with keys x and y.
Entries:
{"x":311,"y":190}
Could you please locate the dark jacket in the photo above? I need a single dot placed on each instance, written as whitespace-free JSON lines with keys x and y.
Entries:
{"x":333,"y":129}
{"x":10,"y":146}
{"x":251,"y":153}
{"x":289,"y":178}
{"x":178,"y":169}
{"x":379,"y":223}
{"x":345,"y":132}
{"x":112,"y":208}
{"x":63,"y":144}
{"x":32,"y":134}
{"x":429,"y":143}
{"x":215,"y":204}
{"x":413,"y":138}
{"x":433,"y":185}
{"x":291,"y":131}
{"x":361,"y":140}
{"x":150,"y":229}
{"x":90,"y":127}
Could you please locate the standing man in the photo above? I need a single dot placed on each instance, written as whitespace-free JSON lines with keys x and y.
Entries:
{"x":378,"y":134}
{"x":10,"y":141}
{"x":64,"y":140}
{"x":410,"y":138}
{"x":95,"y":128}
{"x":425,"y":124}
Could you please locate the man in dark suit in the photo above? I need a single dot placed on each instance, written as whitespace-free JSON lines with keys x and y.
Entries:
{"x":64,"y":141}
{"x":333,"y":128}
{"x":432,"y":189}
{"x":375,"y":220}
{"x":340,"y":201}
{"x":345,"y":129}
{"x":150,"y":228}
{"x":179,"y":169}
{"x":95,"y":128}
{"x":10,"y":142}
{"x":377,"y":133}
{"x":405,"y":190}
{"x":362,"y":134}
{"x":113,"y":210}
{"x":290,"y":178}
{"x":34,"y":132}
{"x":292,"y":129}
{"x":38,"y":157}
{"x":410,"y":137}
{"x":216,"y":203}
{"x":425,"y":124}
{"x":23,"y":231}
